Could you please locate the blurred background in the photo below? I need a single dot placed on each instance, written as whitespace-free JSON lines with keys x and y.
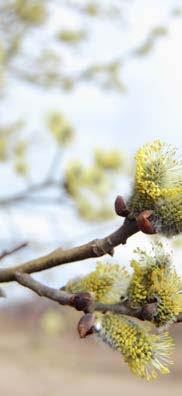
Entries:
{"x":83,"y":84}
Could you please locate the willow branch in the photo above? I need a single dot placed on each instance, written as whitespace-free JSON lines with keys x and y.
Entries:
{"x":90,"y":72}
{"x":83,"y":301}
{"x":27,"y":193}
{"x":80,"y":301}
{"x":6,"y":253}
{"x":95,"y":248}
{"x":26,"y":280}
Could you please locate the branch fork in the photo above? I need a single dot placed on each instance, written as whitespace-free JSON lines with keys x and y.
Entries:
{"x":99,"y":247}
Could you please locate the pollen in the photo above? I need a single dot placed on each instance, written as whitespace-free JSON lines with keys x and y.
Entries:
{"x":146,"y":354}
{"x":155,"y":279}
{"x":158,"y":187}
{"x":107,"y":283}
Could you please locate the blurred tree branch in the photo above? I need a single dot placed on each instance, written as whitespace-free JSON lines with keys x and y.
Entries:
{"x":46,"y":69}
{"x":106,"y":74}
{"x":19,"y":20}
{"x":26,"y":195}
{"x":6,"y":253}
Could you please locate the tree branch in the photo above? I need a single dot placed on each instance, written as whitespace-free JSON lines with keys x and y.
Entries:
{"x":6,"y":253}
{"x":80,"y":301}
{"x":83,"y":301}
{"x":27,"y":193}
{"x":26,"y":280}
{"x":95,"y":248}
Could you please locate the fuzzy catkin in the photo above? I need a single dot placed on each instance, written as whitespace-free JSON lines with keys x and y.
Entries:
{"x":158,"y":187}
{"x":146,"y":354}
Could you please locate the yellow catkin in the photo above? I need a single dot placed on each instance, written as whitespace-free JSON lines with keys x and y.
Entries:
{"x":146,"y":354}
{"x":158,"y":187}
{"x":155,"y":278}
{"x":167,"y":217}
{"x":111,"y":159}
{"x":107,"y":283}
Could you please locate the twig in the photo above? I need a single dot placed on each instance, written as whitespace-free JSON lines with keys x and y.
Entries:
{"x":90,"y":72}
{"x":80,"y":301}
{"x":95,"y":248}
{"x":26,"y":280}
{"x":26,"y":194}
{"x":6,"y":253}
{"x":83,"y":301}
{"x":54,"y":164}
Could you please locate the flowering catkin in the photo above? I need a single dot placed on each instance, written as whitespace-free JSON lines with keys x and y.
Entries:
{"x":155,"y":279}
{"x":107,"y":283}
{"x":146,"y":354}
{"x":158,"y":187}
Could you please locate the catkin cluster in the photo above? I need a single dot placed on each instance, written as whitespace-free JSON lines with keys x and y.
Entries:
{"x":157,"y":191}
{"x":154,"y":278}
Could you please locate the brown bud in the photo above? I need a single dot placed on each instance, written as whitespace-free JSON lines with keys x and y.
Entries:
{"x":120,"y":207}
{"x":81,"y":301}
{"x":85,"y":325}
{"x":144,"y":223}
